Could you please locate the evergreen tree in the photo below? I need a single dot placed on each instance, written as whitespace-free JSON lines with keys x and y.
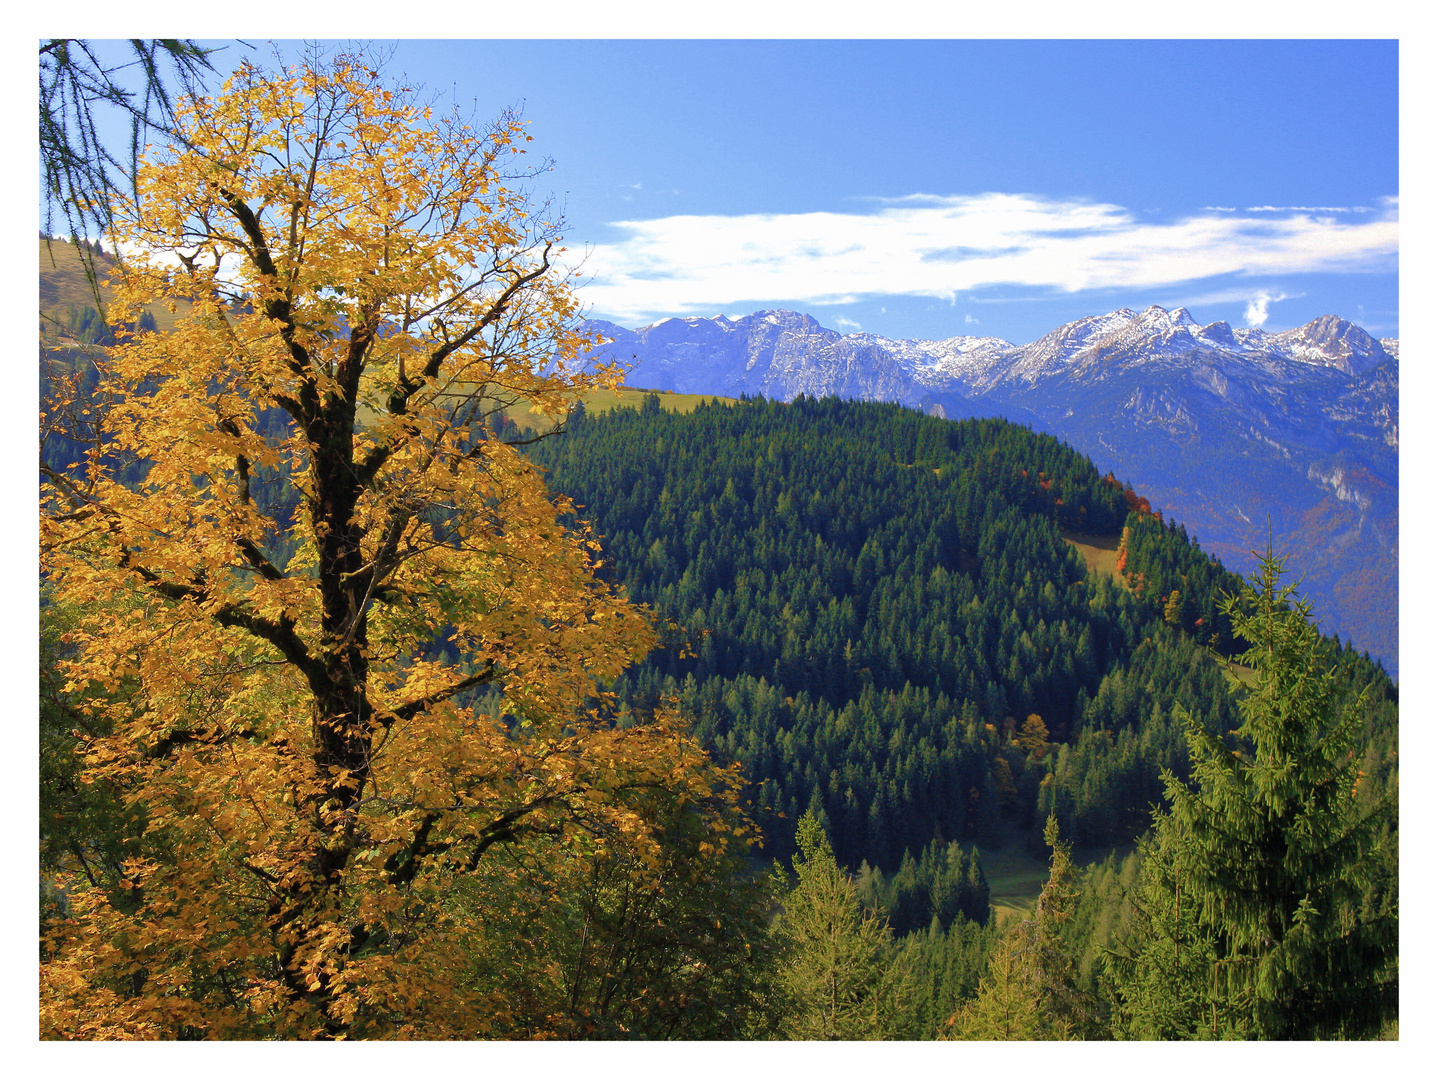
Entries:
{"x":843,"y":980}
{"x":1031,"y":989}
{"x":1165,"y":989}
{"x":1008,"y":1008}
{"x":1274,"y":930}
{"x":947,"y":967}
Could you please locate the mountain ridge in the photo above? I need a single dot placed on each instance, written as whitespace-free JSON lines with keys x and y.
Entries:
{"x":1225,"y":429}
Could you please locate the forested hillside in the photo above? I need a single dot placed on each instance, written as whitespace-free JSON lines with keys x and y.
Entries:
{"x":1242,"y":434}
{"x":876,"y":612}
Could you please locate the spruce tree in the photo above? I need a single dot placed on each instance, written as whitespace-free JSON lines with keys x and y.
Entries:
{"x":1270,"y":857}
{"x":843,"y":979}
{"x":1031,"y":988}
{"x":1008,"y":1007}
{"x":1165,"y":987}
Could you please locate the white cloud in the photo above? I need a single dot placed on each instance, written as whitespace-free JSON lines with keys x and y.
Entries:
{"x":230,"y":264}
{"x":939,"y":246}
{"x":969,"y":320}
{"x":846,"y":324}
{"x":1307,"y":209}
{"x":1256,"y":314}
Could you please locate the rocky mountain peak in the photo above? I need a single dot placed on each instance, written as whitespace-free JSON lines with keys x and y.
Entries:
{"x":1333,"y":342}
{"x":1220,"y":333}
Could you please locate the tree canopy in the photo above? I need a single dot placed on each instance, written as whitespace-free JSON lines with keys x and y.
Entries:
{"x":295,"y":551}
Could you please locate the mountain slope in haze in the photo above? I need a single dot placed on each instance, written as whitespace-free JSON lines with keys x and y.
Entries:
{"x":1226,"y":429}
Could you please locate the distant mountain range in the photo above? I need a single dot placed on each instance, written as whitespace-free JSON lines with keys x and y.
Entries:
{"x":1223,"y":429}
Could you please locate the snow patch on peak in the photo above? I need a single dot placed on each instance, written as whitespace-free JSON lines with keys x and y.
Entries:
{"x":1329,"y":341}
{"x":1221,"y":334}
{"x":1253,"y":337}
{"x":964,"y":343}
{"x":1154,"y":315}
{"x":781,"y":315}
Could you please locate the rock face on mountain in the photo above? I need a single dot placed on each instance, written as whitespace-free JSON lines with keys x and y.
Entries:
{"x":779,"y":354}
{"x":1225,"y":429}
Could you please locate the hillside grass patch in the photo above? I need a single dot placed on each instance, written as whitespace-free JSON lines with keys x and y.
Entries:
{"x":603,"y":401}
{"x":1237,"y":674}
{"x":1100,"y":553}
{"x":1016,"y":875}
{"x":1015,"y":879}
{"x":63,"y":285}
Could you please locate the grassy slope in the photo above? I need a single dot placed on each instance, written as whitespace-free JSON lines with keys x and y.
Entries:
{"x":1016,"y":876}
{"x":1240,"y":674}
{"x":629,"y":397}
{"x":1100,"y":553}
{"x":626,"y":397}
{"x":62,"y":277}
{"x":63,"y":284}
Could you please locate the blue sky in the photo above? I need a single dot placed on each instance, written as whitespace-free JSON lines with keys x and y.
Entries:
{"x":932,"y":188}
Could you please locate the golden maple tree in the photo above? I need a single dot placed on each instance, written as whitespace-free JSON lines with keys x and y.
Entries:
{"x":295,"y":552}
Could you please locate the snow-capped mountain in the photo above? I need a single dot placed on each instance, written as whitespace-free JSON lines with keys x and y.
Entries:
{"x":1223,"y":428}
{"x":779,"y":354}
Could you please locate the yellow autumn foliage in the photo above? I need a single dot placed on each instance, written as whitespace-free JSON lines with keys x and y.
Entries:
{"x":296,"y":553}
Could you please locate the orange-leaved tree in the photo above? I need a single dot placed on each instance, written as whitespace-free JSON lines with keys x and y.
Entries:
{"x":295,"y":556}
